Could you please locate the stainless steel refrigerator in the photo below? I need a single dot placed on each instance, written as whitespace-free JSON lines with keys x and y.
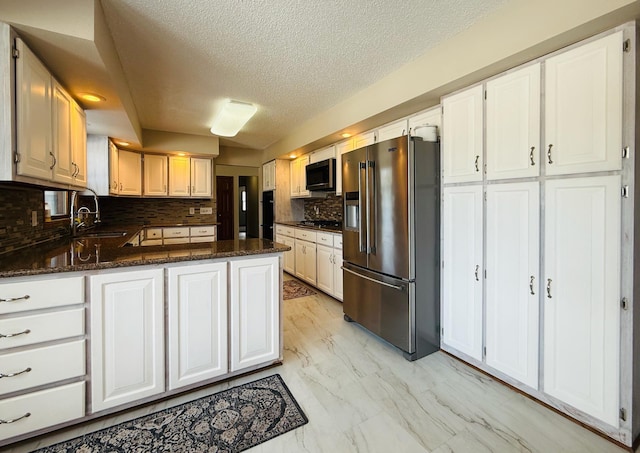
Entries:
{"x":391,"y":242}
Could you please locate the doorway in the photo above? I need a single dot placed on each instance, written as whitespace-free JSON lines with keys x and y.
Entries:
{"x":224,"y":206}
{"x":249,"y":205}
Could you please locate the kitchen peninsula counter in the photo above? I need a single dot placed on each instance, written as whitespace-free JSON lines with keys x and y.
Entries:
{"x":90,"y":253}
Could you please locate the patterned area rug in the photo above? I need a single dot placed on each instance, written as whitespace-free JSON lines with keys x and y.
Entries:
{"x":229,"y":421}
{"x":293,"y":289}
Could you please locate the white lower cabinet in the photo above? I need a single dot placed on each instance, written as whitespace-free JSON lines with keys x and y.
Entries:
{"x":197,"y":336}
{"x":127,"y":337}
{"x":289,"y":257}
{"x":324,"y":272}
{"x":462,"y":270}
{"x":512,"y":264}
{"x":329,"y":264}
{"x":38,"y":410}
{"x":306,"y":261}
{"x":255,"y":312}
{"x":582,"y":294}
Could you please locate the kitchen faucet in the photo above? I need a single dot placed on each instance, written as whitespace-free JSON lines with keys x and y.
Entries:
{"x":75,"y":219}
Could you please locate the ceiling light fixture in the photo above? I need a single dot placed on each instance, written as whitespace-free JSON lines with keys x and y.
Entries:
{"x":292,"y":156}
{"x":346,"y":135}
{"x":123,"y":143}
{"x":233,"y":116}
{"x":92,"y":97}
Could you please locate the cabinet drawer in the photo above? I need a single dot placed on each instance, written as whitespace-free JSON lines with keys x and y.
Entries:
{"x":205,"y":230}
{"x":305,"y":235}
{"x":46,"y":408}
{"x":153,"y":233}
{"x":40,"y":293}
{"x":285,"y":230}
{"x":176,"y":240}
{"x":27,"y":330}
{"x":324,"y":239}
{"x":195,"y":239}
{"x":151,"y":242}
{"x":175,"y":232}
{"x":337,"y":241}
{"x":48,"y":364}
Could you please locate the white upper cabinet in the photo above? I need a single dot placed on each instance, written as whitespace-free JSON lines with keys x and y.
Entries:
{"x":269,"y":176}
{"x":33,"y":115}
{"x":582,"y":294}
{"x":179,"y":176}
{"x":513,"y":124}
{"x":583,"y":108}
{"x":298,"y":172}
{"x":512,"y":255}
{"x":62,"y":167}
{"x":155,"y":175}
{"x":322,"y":154}
{"x":462,"y":270}
{"x":129,"y":173}
{"x":114,"y":177}
{"x":364,"y":139}
{"x":431,"y":117}
{"x":79,"y":145}
{"x":341,"y":148}
{"x":462,"y":136}
{"x":201,"y":177}
{"x":393,"y":130}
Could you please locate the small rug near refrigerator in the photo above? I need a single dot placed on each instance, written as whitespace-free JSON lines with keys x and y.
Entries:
{"x":230,"y":421}
{"x":293,"y":289}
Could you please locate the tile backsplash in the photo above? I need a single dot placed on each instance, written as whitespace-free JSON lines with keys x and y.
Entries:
{"x":16,"y":207}
{"x":329,"y":208}
{"x":155,"y":211}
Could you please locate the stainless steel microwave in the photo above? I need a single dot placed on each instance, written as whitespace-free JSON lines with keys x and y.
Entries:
{"x":321,"y":175}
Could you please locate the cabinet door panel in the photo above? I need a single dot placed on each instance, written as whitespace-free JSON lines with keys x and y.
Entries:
{"x":255,"y":312}
{"x":289,"y":256}
{"x":341,"y":148}
{"x":197,"y":323}
{"x":79,"y":145}
{"x":513,"y":124}
{"x":155,"y":175}
{"x":462,"y":136}
{"x":33,"y":115}
{"x":324,"y":257}
{"x":583,"y":113}
{"x":393,"y":130}
{"x":462,"y":270}
{"x":63,"y":169}
{"x":512,"y":280}
{"x":179,"y":176}
{"x":127,"y":337}
{"x":337,"y":274}
{"x":201,"y":178}
{"x":129,"y":173}
{"x":581,"y":311}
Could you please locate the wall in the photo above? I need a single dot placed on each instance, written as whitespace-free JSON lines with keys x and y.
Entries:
{"x":519,"y":32}
{"x":241,"y":157}
{"x":16,"y":205}
{"x":154,"y":211}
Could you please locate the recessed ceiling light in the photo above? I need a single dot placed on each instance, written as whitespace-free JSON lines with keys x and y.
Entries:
{"x":182,"y":154}
{"x":233,"y":116}
{"x":123,"y":143}
{"x":92,"y":97}
{"x":346,"y":135}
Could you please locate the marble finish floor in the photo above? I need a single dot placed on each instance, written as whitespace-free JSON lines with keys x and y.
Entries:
{"x":361,"y":395}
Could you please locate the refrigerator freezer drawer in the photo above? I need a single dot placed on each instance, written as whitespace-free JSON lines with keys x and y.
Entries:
{"x":381,"y":304}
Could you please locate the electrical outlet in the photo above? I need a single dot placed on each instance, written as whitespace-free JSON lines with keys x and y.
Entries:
{"x":192,"y":211}
{"x":34,"y":218}
{"x":206,"y":210}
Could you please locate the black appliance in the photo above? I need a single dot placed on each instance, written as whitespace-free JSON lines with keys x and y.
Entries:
{"x":321,"y":175}
{"x":267,"y":214}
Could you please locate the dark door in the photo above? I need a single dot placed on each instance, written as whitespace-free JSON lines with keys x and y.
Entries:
{"x":224,"y":206}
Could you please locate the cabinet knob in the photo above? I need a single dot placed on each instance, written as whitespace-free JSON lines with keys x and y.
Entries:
{"x":6,"y":422}
{"x":531,"y":285}
{"x":54,"y":160}
{"x":9,"y":335}
{"x":549,"y":288}
{"x":15,"y":299}
{"x":531,"y":156}
{"x":549,"y":154}
{"x":476,"y":163}
{"x":477,"y":269}
{"x":26,"y":370}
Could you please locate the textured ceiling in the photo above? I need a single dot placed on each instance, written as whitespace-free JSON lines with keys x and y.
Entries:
{"x":293,"y":58}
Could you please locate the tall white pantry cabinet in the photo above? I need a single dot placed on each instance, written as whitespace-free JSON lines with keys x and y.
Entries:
{"x":538,"y":231}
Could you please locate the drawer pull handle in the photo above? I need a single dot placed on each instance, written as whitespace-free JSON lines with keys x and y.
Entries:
{"x":6,"y":422}
{"x":9,"y":335}
{"x":15,"y":299}
{"x":26,"y":370}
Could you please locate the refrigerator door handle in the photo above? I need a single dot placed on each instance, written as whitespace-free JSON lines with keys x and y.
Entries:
{"x":361,"y":207}
{"x":399,"y":288}
{"x":371,"y":208}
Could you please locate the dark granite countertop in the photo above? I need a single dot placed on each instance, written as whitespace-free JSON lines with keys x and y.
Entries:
{"x":297,"y":224}
{"x":90,"y":253}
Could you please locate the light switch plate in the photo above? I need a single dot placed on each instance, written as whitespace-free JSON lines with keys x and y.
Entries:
{"x":192,"y":211}
{"x":34,"y":218}
{"x":206,"y":210}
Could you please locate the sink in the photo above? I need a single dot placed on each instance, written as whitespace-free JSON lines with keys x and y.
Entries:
{"x":104,"y":234}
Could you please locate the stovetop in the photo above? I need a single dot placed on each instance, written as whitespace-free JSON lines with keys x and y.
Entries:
{"x":322,"y":223}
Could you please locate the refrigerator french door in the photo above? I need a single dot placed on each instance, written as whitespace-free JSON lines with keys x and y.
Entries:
{"x":391,"y":281}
